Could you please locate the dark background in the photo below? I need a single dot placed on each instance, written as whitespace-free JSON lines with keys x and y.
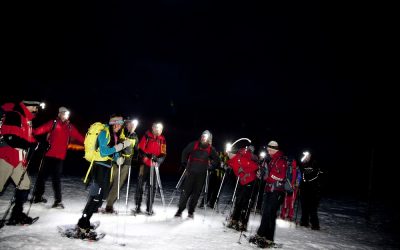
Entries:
{"x":300,"y":74}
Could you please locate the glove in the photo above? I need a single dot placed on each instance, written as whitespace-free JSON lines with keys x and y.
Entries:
{"x":183,"y":166}
{"x":154,"y":158}
{"x":126,"y":143}
{"x":119,"y":147}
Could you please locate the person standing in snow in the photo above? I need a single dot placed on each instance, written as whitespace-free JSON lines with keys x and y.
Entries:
{"x":153,"y":150}
{"x":128,"y":153}
{"x":196,"y":159}
{"x":274,"y":193}
{"x":245,"y":166}
{"x":16,"y":143}
{"x":110,"y":143}
{"x":310,"y":191}
{"x":287,"y":209}
{"x":59,"y":133}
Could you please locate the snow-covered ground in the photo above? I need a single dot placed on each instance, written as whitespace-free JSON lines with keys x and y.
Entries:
{"x":343,"y":226}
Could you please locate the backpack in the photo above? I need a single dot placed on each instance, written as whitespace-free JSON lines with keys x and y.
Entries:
{"x":293,"y":175}
{"x":90,"y":143}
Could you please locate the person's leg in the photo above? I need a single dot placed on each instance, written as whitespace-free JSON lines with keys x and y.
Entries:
{"x":139,"y":189}
{"x":56,"y":179}
{"x":188,"y":186}
{"x":276,"y":200}
{"x":112,"y":194}
{"x":21,"y":196}
{"x":43,"y":173}
{"x":199,"y":180}
{"x":5,"y":172}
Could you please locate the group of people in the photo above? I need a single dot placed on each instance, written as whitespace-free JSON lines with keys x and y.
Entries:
{"x":118,"y":149}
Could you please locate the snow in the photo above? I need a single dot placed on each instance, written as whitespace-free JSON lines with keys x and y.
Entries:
{"x":343,"y":225}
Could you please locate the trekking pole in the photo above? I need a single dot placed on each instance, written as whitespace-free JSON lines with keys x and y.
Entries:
{"x":151,"y":188}
{"x":219,"y":192}
{"x":34,"y":186}
{"x":120,"y":161}
{"x":159,"y":183}
{"x":127,"y":190}
{"x":178,"y":185}
{"x":233,"y":196}
{"x":248,"y":210}
{"x":12,"y":201}
{"x":205,"y":193}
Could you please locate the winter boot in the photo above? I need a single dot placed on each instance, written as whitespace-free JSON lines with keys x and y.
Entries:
{"x":84,"y":224}
{"x":191,"y":215}
{"x":109,"y":210}
{"x":242,"y":226}
{"x":39,"y":200}
{"x":178,"y":214}
{"x":233,"y":224}
{"x":58,"y":204}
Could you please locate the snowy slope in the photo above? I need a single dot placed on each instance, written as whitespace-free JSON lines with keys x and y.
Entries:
{"x":342,"y":226}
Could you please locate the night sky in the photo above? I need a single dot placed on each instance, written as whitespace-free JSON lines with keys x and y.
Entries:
{"x":295,"y":73}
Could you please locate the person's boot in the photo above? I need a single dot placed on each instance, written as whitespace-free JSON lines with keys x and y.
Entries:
{"x":190,"y":215}
{"x":58,"y":204}
{"x":178,"y":214}
{"x":109,"y":210}
{"x":84,"y":224}
{"x":40,"y":199}
{"x":233,"y":224}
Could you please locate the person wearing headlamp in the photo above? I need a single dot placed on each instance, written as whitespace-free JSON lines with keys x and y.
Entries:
{"x":59,"y":133}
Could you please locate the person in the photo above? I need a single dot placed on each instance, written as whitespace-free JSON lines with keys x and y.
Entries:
{"x":245,"y":166}
{"x":128,"y":153}
{"x":110,"y":143}
{"x":59,"y":132}
{"x":274,"y":193}
{"x":153,"y":150}
{"x":310,"y":191}
{"x":196,"y":158}
{"x":17,"y":145}
{"x":287,"y":209}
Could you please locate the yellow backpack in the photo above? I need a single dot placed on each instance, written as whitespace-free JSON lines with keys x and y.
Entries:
{"x":90,"y":143}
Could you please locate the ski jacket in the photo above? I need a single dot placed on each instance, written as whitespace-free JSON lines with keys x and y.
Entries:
{"x":59,"y":135}
{"x":16,"y":133}
{"x":244,"y":165}
{"x":152,"y":148}
{"x":276,"y":177}
{"x":199,"y":157}
{"x":131,"y":152}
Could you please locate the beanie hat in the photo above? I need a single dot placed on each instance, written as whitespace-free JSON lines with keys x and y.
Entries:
{"x":31,"y":103}
{"x":273,"y":145}
{"x":63,"y":109}
{"x":208,"y":135}
{"x":116,"y":120}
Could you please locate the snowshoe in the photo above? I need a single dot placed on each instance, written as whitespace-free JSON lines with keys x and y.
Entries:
{"x":75,"y":232}
{"x":21,"y":219}
{"x":191,"y":216}
{"x":58,"y":205}
{"x":39,"y":200}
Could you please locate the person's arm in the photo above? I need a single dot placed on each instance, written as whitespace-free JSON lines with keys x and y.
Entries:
{"x":186,"y":153}
{"x":44,"y":129}
{"x":76,"y":135}
{"x":104,"y":149}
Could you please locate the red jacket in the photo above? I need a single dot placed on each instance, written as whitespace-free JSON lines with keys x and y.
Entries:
{"x":17,"y":132}
{"x":152,"y":145}
{"x":275,"y":180}
{"x":59,"y":137}
{"x":244,"y":166}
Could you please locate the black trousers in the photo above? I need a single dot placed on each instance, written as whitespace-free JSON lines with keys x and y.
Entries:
{"x":271,"y":203}
{"x":144,"y":183}
{"x":191,"y":191}
{"x":98,"y":189}
{"x":245,"y":199}
{"x":309,"y":197}
{"x":51,"y":166}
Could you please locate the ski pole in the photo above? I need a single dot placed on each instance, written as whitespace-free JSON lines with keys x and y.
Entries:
{"x":219,"y":192}
{"x":34,"y":186}
{"x":127,"y":190}
{"x":248,"y":210}
{"x":206,"y":193}
{"x":12,"y":201}
{"x":159,"y":184}
{"x":151,"y":188}
{"x":178,"y":185}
